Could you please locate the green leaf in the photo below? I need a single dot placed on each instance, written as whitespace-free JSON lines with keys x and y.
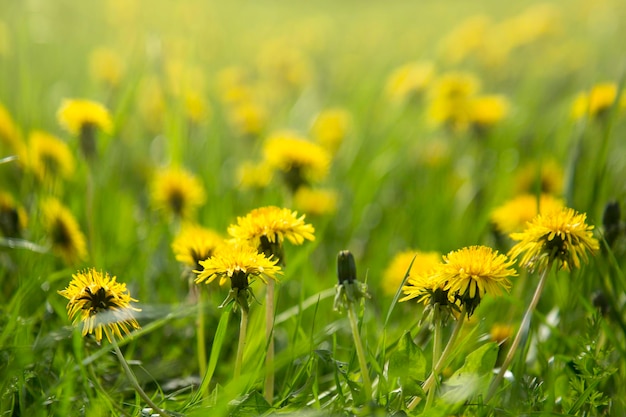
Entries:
{"x":252,"y":404}
{"x":408,"y":364}
{"x":473,"y":377}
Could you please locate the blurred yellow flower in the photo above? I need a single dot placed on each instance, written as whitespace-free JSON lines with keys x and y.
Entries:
{"x":254,"y":175}
{"x":316,"y":202}
{"x":301,"y":161}
{"x":77,"y":115}
{"x":177,"y":192}
{"x":409,"y":81}
{"x":561,"y":236}
{"x":465,"y":39}
{"x":106,"y":66}
{"x":247,"y":118}
{"x":13,"y":217}
{"x":195,"y":243}
{"x":425,"y":263}
{"x":595,"y":102}
{"x":99,"y":301}
{"x":10,"y":135}
{"x":500,"y":333}
{"x":49,"y":156}
{"x":63,"y":231}
{"x":196,"y":107}
{"x":330,"y":127}
{"x":513,"y":215}
{"x":451,"y":99}
{"x":283,"y":63}
{"x":488,"y":110}
{"x":546,"y":177}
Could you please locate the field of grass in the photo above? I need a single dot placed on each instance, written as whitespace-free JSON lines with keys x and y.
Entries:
{"x":406,"y":132}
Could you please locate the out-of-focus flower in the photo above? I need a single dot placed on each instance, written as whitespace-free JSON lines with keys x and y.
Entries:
{"x":106,"y":66}
{"x":545,"y":177}
{"x":451,"y":99}
{"x":177,"y":192}
{"x":284,"y":64}
{"x":488,"y":110}
{"x":63,"y":231}
{"x":409,"y":81}
{"x":98,"y":301}
{"x":195,"y":243}
{"x":49,"y":157}
{"x":423,"y":264}
{"x":254,"y":174}
{"x":465,"y":39}
{"x":595,"y":102}
{"x":315,"y":201}
{"x":330,"y":127}
{"x":247,"y":118}
{"x":197,"y":108}
{"x":513,"y":215}
{"x":10,"y":134}
{"x":76,"y":115}
{"x":560,"y":236}
{"x":301,"y":162}
{"x":13,"y":217}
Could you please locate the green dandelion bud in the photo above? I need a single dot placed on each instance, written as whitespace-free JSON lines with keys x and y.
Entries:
{"x":346,"y":267}
{"x":349,"y":289}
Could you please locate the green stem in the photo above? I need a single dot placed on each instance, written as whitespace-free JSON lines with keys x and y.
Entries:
{"x":360,"y":353}
{"x":200,"y":336}
{"x":269,"y":338}
{"x":243,"y":329}
{"x":442,"y":359}
{"x":131,"y":376}
{"x":436,"y":353}
{"x":518,"y":337}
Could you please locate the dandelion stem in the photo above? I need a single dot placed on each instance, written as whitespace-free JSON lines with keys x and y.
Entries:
{"x":443,"y":358}
{"x":518,"y":337}
{"x":243,"y":329}
{"x":201,"y":340}
{"x":269,"y":338}
{"x":131,"y":376}
{"x":436,"y":353}
{"x":360,"y":352}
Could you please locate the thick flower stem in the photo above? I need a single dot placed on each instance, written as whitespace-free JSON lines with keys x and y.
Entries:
{"x":436,"y":353}
{"x":269,"y":338}
{"x":518,"y":337}
{"x":200,"y":336}
{"x":131,"y":376}
{"x":243,"y":329}
{"x":428,"y":384}
{"x":360,"y":353}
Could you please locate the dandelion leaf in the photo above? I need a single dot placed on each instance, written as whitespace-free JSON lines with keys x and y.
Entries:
{"x":408,"y":364}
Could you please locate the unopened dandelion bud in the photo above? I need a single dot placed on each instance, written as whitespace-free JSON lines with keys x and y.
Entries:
{"x":346,"y":267}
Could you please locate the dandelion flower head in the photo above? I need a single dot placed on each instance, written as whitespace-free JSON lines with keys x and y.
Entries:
{"x":315,"y":201}
{"x":13,"y":217}
{"x":237,"y":262}
{"x":49,"y":156}
{"x":594,"y":102}
{"x":63,"y":231}
{"x":98,"y":301}
{"x":560,"y":236}
{"x":409,"y":81}
{"x":106,"y":66}
{"x":330,"y":128}
{"x":76,"y":115}
{"x":423,"y":263}
{"x":513,"y":215}
{"x":177,"y":192}
{"x":195,"y":243}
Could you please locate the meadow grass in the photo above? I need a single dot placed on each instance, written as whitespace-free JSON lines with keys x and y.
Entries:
{"x":405,"y":178}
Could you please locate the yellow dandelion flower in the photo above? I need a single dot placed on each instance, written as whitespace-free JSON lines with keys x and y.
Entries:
{"x":196,"y":107}
{"x":500,"y":333}
{"x":451,"y":99}
{"x":247,"y":118}
{"x":284,"y":63}
{"x":409,"y":81}
{"x":99,"y":301}
{"x":13,"y":217}
{"x":77,"y":115}
{"x":106,"y":66}
{"x":300,"y":161}
{"x":561,"y":236}
{"x":474,"y":271}
{"x":316,"y":202}
{"x":595,"y":102}
{"x":254,"y":175}
{"x":425,"y":263}
{"x":330,"y":128}
{"x":49,"y":156}
{"x":63,"y":231}
{"x":513,"y":215}
{"x":237,"y":262}
{"x":273,"y":224}
{"x":548,"y":175}
{"x":177,"y":192}
{"x":10,"y":134}
{"x":428,"y":288}
{"x":465,"y":39}
{"x":488,"y":110}
{"x":195,"y":243}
